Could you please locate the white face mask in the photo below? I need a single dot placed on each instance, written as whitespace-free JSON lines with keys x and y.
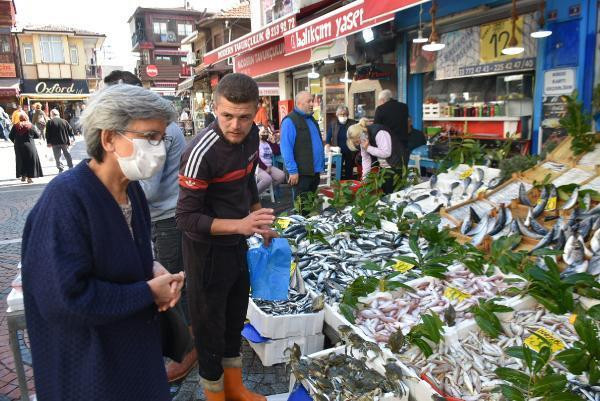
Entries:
{"x":144,"y":162}
{"x":342,"y":119}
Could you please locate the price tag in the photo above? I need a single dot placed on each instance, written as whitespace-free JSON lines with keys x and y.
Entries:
{"x":402,"y":266}
{"x":452,"y":293}
{"x":551,"y":205}
{"x":572,"y":318}
{"x":292,"y":269}
{"x":536,"y":341}
{"x":283,"y":222}
{"x":466,"y":173}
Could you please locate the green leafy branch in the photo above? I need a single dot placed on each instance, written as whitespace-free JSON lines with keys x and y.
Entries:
{"x":578,"y":126}
{"x":584,"y":355}
{"x":485,"y":316}
{"x":430,"y":329}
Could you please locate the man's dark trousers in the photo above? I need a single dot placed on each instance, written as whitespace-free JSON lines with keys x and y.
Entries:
{"x":57,"y":149}
{"x":219,"y":286}
{"x":167,"y":246}
{"x":307,"y":183}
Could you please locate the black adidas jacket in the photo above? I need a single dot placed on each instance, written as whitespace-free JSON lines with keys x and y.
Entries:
{"x":216,"y":180}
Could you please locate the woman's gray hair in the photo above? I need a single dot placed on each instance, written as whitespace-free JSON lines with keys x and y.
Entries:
{"x":115,"y":107}
{"x":385,"y":95}
{"x":341,"y":109}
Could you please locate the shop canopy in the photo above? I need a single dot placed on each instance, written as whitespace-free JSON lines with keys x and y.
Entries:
{"x":9,"y":87}
{"x":55,"y":96}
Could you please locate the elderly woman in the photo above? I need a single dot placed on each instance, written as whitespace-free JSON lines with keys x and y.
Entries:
{"x":375,"y":141}
{"x":92,"y":290}
{"x":337,"y":136}
{"x":23,"y":135}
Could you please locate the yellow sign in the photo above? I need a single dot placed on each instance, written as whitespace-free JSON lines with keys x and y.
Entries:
{"x":402,"y":266}
{"x":495,"y":36}
{"x":360,"y":213}
{"x":292,"y":269}
{"x":536,"y":341}
{"x":466,"y":173}
{"x":453,"y":293}
{"x":283,"y":222}
{"x":551,"y":205}
{"x":572,"y":318}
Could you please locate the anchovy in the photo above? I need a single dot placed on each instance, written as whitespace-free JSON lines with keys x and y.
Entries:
{"x":541,"y":204}
{"x":523,"y":198}
{"x":480,"y":174}
{"x":466,"y":182}
{"x":454,"y":185}
{"x":526,"y":231}
{"x":546,"y":240}
{"x":420,"y":198}
{"x":572,"y":200}
{"x":476,"y":187}
{"x":500,"y":222}
{"x":537,"y":227}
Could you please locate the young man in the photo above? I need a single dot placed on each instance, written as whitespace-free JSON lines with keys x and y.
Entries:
{"x":218,"y":208}
{"x":302,"y":145}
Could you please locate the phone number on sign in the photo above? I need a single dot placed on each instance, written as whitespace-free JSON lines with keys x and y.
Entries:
{"x":504,"y":66}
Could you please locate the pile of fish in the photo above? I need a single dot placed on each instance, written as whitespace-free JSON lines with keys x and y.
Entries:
{"x":295,"y":304}
{"x":385,"y":313}
{"x":328,"y":267}
{"x":524,"y":323}
{"x":451,"y":190}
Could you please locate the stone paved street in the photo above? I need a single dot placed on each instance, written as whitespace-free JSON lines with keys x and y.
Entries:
{"x":16,"y":200}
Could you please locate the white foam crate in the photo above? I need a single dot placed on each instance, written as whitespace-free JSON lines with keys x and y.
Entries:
{"x":284,"y":326}
{"x":376,"y":364}
{"x":273,"y":351}
{"x":14,"y":300}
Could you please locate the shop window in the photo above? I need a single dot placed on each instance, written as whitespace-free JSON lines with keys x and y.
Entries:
{"x":159,"y":27}
{"x":184,"y":29}
{"x":74,"y":55}
{"x":218,"y":40}
{"x":301,"y":84}
{"x":52,"y":49}
{"x":4,"y":44}
{"x":28,"y":53}
{"x":275,"y":9}
{"x":364,"y":105}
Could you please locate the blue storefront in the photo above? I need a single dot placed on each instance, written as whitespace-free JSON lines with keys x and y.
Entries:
{"x":503,"y":94}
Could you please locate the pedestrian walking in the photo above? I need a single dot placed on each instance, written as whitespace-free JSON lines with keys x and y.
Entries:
{"x":58,"y":136}
{"x":5,"y":124}
{"x":218,"y":208}
{"x":394,"y":115}
{"x":93,"y":290}
{"x":302,"y":146}
{"x":39,"y":119}
{"x":16,"y":115}
{"x":337,"y":135}
{"x":161,"y":192}
{"x":23,"y":135}
{"x":266,"y":173}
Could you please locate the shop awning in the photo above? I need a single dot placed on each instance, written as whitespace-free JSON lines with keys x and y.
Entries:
{"x":341,"y":22}
{"x":186,"y":84}
{"x":9,"y":87}
{"x":376,"y":8}
{"x":269,"y":33}
{"x":56,"y":96}
{"x":268,"y":88}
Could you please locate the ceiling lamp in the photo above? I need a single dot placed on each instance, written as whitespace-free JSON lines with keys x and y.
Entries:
{"x":345,"y":79}
{"x":541,"y":32}
{"x":420,"y":38}
{"x":368,"y":35}
{"x":328,"y":61}
{"x":313,"y":74}
{"x":513,"y":46}
{"x":434,"y":44}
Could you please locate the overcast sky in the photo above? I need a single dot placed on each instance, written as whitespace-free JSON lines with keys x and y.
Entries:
{"x":107,"y":16}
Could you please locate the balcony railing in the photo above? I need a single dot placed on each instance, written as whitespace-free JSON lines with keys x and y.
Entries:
{"x":93,"y":72}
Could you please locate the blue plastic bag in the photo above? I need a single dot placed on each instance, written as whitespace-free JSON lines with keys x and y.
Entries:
{"x":270,"y":270}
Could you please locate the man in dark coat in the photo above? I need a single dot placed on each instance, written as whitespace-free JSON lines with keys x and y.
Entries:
{"x":394,"y":115}
{"x":58,"y":137}
{"x":336,"y":136}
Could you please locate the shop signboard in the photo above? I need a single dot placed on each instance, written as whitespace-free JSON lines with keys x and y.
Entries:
{"x":477,"y":51}
{"x":553,"y":109}
{"x":56,"y":86}
{"x":376,"y":8}
{"x":340,"y":23}
{"x":251,"y":41}
{"x":151,"y":70}
{"x":559,"y":82}
{"x":7,"y":70}
{"x":495,"y":36}
{"x":268,"y":59}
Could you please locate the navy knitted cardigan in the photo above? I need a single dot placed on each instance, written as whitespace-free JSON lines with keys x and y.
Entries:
{"x":90,"y":314}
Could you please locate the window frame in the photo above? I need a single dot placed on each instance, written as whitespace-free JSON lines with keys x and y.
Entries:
{"x":28,"y":47}
{"x":71,"y":49}
{"x":7,"y":37}
{"x":161,"y":24}
{"x":50,"y":45}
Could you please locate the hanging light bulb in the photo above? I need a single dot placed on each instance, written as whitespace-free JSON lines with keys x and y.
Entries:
{"x":345,"y":79}
{"x":513,"y":46}
{"x":313,"y":74}
{"x":329,"y":61}
{"x":541,"y":31}
{"x":434,"y":44}
{"x":420,"y":38}
{"x":368,"y":35}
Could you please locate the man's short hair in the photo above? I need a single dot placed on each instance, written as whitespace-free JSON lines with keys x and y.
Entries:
{"x":237,"y":88}
{"x":122,"y":77}
{"x":54,"y":113}
{"x":385,"y":95}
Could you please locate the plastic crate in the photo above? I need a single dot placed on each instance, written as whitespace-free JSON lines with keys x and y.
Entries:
{"x":284,"y":326}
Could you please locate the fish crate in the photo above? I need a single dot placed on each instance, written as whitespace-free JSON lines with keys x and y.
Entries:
{"x":273,"y":352}
{"x":375,"y":363}
{"x":284,"y":326}
{"x":538,"y":174}
{"x":563,"y":153}
{"x":590,"y":159}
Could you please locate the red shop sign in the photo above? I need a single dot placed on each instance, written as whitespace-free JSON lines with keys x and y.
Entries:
{"x":268,"y":59}
{"x":337,"y":24}
{"x":377,"y":8}
{"x":151,"y":70}
{"x":251,"y":41}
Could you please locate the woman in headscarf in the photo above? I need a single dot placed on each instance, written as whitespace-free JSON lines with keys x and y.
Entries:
{"x":28,"y":163}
